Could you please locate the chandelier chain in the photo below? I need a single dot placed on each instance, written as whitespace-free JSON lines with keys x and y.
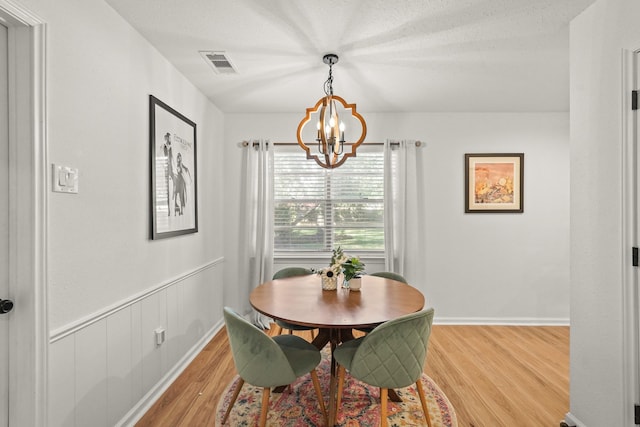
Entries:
{"x":328,"y":85}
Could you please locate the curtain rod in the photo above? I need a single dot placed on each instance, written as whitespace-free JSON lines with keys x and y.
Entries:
{"x":246,"y":143}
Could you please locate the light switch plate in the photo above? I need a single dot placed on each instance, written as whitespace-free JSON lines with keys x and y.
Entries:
{"x":65,"y":179}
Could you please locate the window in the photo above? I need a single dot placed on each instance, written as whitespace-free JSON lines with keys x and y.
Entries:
{"x":319,"y":209}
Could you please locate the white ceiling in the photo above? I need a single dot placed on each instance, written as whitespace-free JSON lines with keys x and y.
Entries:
{"x":395,"y":55}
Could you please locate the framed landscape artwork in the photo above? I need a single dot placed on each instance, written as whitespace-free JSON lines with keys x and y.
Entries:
{"x":174,"y":203}
{"x":494,"y":183}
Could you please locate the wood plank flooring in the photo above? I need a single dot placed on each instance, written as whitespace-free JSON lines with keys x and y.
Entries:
{"x":493,"y":376}
{"x":502,"y":375}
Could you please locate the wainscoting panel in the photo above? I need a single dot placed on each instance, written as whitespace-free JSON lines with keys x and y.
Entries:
{"x":91,"y":375}
{"x":153,"y":315}
{"x":135,"y":331}
{"x":106,"y":370}
{"x":119,"y":365}
{"x":175,"y":311}
{"x":62,"y":380}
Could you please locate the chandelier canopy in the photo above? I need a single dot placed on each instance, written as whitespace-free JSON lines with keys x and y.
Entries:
{"x":334,"y":119}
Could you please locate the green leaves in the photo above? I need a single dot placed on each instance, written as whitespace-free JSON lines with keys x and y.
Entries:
{"x":352,"y":267}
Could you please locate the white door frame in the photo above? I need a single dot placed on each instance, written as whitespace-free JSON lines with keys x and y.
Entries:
{"x":28,"y":325}
{"x":630,"y":237}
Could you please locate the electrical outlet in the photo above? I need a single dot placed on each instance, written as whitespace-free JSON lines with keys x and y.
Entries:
{"x":159,"y":336}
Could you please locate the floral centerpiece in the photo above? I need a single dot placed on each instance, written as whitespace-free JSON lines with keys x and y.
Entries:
{"x":349,"y":266}
{"x":329,"y":277}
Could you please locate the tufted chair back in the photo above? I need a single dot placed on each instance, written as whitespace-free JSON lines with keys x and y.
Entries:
{"x":390,"y":275}
{"x":393,"y":354}
{"x":291,"y":272}
{"x":258,"y":359}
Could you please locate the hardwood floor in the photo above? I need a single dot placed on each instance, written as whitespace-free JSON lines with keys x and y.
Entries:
{"x":502,"y":375}
{"x":493,"y":376}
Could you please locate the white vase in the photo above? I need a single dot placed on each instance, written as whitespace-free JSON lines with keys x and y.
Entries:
{"x":329,"y":283}
{"x":355,"y":284}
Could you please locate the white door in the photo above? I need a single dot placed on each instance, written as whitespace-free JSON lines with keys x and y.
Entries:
{"x":635,"y":202}
{"x":4,"y":228}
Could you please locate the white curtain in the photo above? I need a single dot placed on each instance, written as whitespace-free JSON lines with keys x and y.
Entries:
{"x":404,"y":209}
{"x":256,"y":245}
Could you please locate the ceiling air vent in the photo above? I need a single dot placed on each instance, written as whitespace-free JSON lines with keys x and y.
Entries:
{"x":219,"y":62}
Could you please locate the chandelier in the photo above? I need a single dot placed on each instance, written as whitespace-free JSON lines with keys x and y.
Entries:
{"x":334,"y":119}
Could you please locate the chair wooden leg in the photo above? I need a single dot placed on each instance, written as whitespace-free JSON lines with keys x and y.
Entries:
{"x":265,"y":406}
{"x":383,"y":407}
{"x":316,"y":385}
{"x":233,"y":400}
{"x":341,"y":374}
{"x":290,"y":331}
{"x":423,"y":400}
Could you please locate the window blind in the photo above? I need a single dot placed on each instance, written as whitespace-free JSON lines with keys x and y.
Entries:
{"x":319,"y":209}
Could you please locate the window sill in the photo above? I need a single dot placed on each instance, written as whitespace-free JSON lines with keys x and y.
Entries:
{"x":324,"y":256}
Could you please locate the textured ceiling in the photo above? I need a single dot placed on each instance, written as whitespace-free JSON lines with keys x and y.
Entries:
{"x":395,"y":55}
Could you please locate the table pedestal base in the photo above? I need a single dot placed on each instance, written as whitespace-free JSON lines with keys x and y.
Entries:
{"x":334,"y":337}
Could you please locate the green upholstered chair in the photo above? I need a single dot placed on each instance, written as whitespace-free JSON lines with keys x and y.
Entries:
{"x":391,"y":356}
{"x":283,"y":274}
{"x":386,"y":275}
{"x":268,"y":362}
{"x":390,"y":275}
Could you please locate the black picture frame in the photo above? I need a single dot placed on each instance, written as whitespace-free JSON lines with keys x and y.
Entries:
{"x":494,"y":183}
{"x":174,"y":171}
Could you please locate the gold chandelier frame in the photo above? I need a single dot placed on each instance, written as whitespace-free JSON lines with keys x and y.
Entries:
{"x":330,"y":148}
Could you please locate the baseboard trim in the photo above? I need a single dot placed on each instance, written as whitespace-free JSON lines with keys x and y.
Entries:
{"x":523,"y":321}
{"x":80,"y":324}
{"x":147,"y":401}
{"x":572,"y":421}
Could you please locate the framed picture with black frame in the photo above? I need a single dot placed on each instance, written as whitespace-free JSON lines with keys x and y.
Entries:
{"x":494,"y":183}
{"x":173,"y":164}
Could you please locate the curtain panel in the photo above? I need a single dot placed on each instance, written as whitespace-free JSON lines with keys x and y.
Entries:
{"x":256,"y":245}
{"x":405,"y":231}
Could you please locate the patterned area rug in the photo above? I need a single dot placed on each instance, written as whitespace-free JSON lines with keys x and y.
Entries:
{"x":297,"y":406}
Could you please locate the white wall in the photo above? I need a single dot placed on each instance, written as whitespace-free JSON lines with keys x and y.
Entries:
{"x":109,"y":286}
{"x":599,"y":256}
{"x":101,"y":72}
{"x":482,"y":268}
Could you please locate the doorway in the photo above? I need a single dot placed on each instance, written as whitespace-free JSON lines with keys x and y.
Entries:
{"x":23,"y":205}
{"x":633,"y":282}
{"x":4,"y":222}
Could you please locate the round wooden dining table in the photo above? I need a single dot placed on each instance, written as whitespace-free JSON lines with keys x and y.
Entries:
{"x":302,"y":301}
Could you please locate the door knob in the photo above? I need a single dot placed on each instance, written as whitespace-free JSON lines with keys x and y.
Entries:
{"x":6,"y":305}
